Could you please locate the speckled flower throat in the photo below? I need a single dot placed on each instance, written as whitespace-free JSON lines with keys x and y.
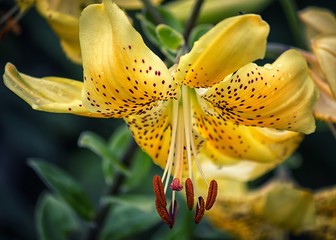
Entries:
{"x":182,"y":153}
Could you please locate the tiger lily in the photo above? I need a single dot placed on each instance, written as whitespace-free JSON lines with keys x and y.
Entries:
{"x":213,"y":110}
{"x":321,"y":35}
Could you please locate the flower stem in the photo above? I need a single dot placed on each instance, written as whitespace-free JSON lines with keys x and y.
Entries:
{"x":102,"y":212}
{"x":290,"y":11}
{"x":153,"y":12}
{"x":192,"y":20}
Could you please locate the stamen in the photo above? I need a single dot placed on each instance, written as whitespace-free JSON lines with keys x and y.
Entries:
{"x":189,"y":188}
{"x":212,"y":194}
{"x":176,"y":185}
{"x":199,"y":210}
{"x":159,"y":192}
{"x":163,"y":213}
{"x":172,"y":213}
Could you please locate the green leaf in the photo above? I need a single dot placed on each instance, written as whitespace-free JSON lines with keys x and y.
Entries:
{"x":109,"y":155}
{"x":140,"y":168}
{"x":198,"y":32}
{"x":141,"y":202}
{"x":54,"y":219}
{"x":65,"y":186}
{"x":148,"y":29}
{"x":119,"y":141}
{"x":126,"y":219}
{"x":169,"y":37}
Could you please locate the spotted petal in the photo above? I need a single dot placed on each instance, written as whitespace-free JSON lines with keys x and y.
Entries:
{"x":279,"y":95}
{"x":225,"y":142}
{"x":152,"y":131}
{"x":228,"y":46}
{"x":122,"y":76}
{"x":50,"y":94}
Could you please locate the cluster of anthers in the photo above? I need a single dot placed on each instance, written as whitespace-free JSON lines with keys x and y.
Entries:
{"x":169,"y":217}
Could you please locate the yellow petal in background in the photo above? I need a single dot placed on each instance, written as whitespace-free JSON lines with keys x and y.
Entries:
{"x":50,"y":94}
{"x":122,"y":75}
{"x":278,"y":96}
{"x":228,"y":46}
{"x":325,"y":108}
{"x":324,"y":47}
{"x":318,"y":21}
{"x":62,"y":16}
{"x":286,"y":206}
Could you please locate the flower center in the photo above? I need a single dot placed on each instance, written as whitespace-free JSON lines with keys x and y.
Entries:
{"x":182,"y":147}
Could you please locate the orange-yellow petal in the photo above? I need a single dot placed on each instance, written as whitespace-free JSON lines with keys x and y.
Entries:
{"x":280,"y":95}
{"x":122,"y":76}
{"x":228,"y":46}
{"x":49,"y":94}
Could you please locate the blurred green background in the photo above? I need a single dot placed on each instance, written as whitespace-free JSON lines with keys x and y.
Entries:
{"x":25,"y":133}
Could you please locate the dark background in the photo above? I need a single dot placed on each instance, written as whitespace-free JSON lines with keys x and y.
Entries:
{"x":25,"y":133}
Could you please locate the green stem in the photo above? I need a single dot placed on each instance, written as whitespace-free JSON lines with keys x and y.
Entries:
{"x":290,"y":9}
{"x":99,"y":220}
{"x":153,"y":12}
{"x":192,"y":20}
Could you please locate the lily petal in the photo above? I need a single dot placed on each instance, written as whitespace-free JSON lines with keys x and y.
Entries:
{"x":279,"y":95}
{"x":50,"y":94}
{"x":122,"y":75}
{"x":325,"y":108}
{"x":324,"y":47}
{"x":318,"y":21}
{"x":152,"y":131}
{"x":228,"y":46}
{"x":226,"y":141}
{"x":242,"y":171}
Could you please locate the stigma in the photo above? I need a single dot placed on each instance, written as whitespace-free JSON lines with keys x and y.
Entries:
{"x":182,"y":151}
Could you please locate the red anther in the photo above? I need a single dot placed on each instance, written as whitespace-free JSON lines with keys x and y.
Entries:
{"x":172,"y":213}
{"x":189,"y":188}
{"x":212,"y":194}
{"x":159,"y":191}
{"x":176,"y":185}
{"x":199,"y":210}
{"x":163,"y":213}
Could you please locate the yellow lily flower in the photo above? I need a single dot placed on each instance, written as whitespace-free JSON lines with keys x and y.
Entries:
{"x":209,"y":110}
{"x":63,"y":15}
{"x":273,"y":210}
{"x":321,"y":34}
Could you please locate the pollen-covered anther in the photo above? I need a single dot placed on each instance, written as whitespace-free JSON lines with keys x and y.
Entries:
{"x":189,"y":189}
{"x":176,"y":185}
{"x":212,"y":194}
{"x":159,"y":191}
{"x":163,"y":213}
{"x":200,"y":209}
